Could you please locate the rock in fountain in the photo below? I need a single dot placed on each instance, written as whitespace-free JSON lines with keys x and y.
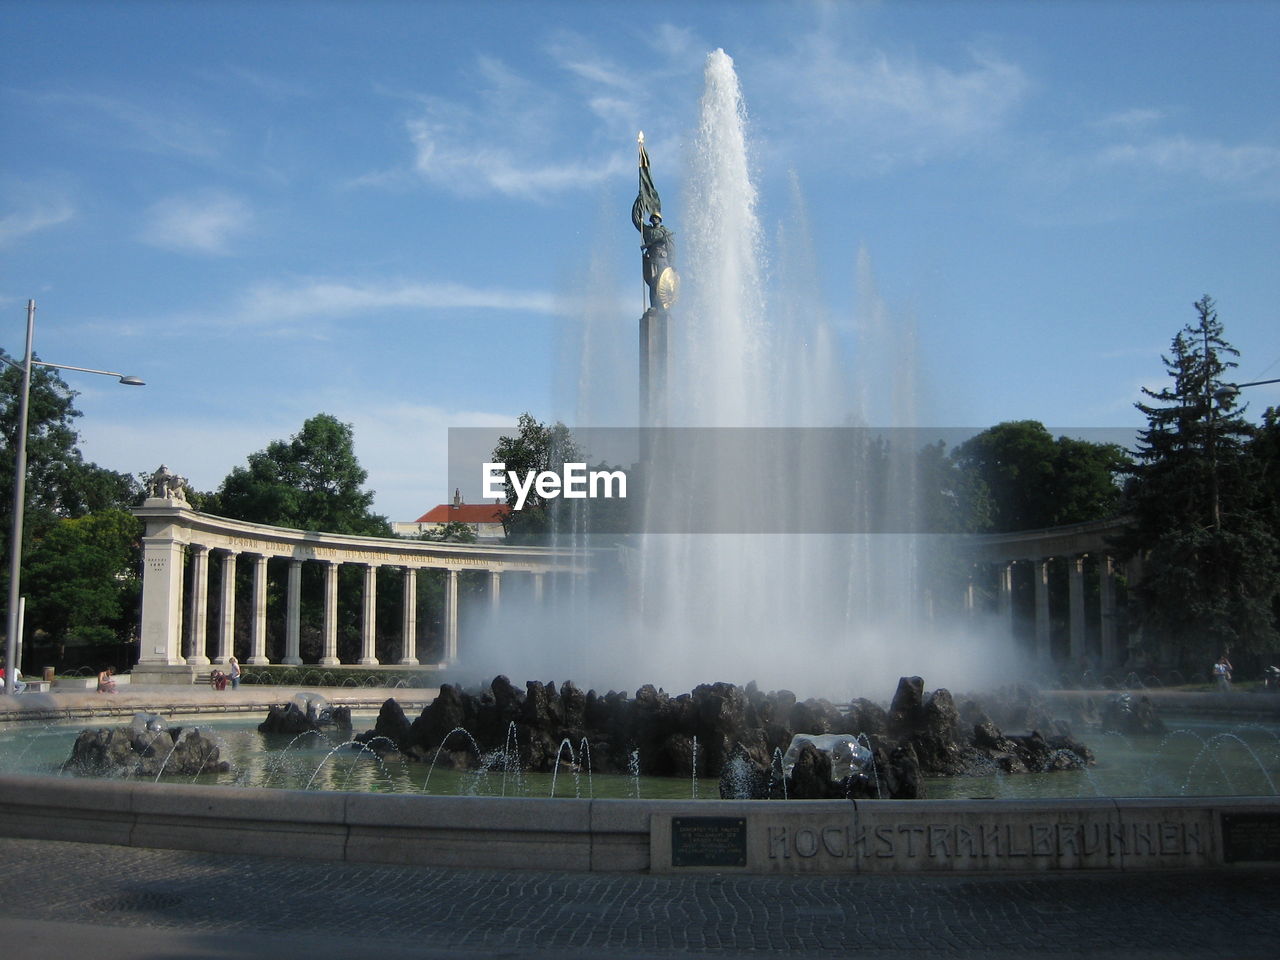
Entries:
{"x":303,"y":713}
{"x":738,"y":734}
{"x":144,"y":749}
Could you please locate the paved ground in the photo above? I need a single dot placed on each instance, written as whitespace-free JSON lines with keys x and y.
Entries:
{"x":102,"y":902}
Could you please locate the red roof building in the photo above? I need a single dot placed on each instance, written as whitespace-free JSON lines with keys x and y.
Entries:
{"x":485,"y":519}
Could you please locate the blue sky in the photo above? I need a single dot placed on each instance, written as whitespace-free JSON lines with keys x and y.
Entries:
{"x":392,"y":212}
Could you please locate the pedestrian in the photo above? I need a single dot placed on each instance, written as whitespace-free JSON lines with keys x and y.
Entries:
{"x":1222,"y":673}
{"x":233,"y":668}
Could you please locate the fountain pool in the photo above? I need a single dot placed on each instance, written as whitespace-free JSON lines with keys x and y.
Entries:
{"x":1197,"y":757}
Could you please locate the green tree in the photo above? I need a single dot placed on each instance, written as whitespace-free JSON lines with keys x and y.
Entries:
{"x":452,"y":532}
{"x":1034,"y":481}
{"x":1202,"y":523}
{"x":536,"y":447}
{"x":312,"y":481}
{"x":60,"y":483}
{"x":69,"y":597}
{"x":80,"y":548}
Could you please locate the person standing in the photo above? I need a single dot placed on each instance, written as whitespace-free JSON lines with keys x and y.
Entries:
{"x":1222,"y":673}
{"x":233,"y":668}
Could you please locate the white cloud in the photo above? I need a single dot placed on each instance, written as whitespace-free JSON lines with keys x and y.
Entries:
{"x":898,"y":108}
{"x":1137,"y":118}
{"x":336,"y":298}
{"x":204,"y":222}
{"x":34,"y":216}
{"x":466,"y":162}
{"x":167,"y":129}
{"x":1247,"y":165}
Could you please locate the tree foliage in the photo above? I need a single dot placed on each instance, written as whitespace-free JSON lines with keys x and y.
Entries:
{"x":1204,"y":522}
{"x":60,"y":482}
{"x":82,"y":577}
{"x":537,"y":447}
{"x":80,"y":547}
{"x":1034,"y":480}
{"x":312,"y":481}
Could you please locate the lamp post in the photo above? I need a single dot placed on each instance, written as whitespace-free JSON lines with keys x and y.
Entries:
{"x":20,"y":486}
{"x":1228,"y":391}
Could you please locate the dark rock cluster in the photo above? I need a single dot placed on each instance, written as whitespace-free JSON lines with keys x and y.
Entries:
{"x":291,"y":719}
{"x":143,"y":752}
{"x":736,"y":733}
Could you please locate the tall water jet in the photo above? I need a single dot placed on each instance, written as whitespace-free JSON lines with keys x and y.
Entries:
{"x":756,"y":391}
{"x":753,"y":350}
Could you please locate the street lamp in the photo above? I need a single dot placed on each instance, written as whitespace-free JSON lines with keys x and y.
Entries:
{"x":20,"y":486}
{"x":1227,"y":392}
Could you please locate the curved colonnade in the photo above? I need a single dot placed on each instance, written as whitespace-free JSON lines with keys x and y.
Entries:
{"x":1073,"y":544}
{"x":175,"y":627}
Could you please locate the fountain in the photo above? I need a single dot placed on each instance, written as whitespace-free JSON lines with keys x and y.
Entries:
{"x":749,"y":361}
{"x":812,"y":611}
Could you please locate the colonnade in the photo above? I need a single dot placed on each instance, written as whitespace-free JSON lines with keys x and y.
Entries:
{"x":177,"y":537}
{"x":1074,"y":545}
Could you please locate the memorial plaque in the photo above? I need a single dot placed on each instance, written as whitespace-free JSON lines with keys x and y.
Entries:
{"x":1250,"y":836}
{"x":708,"y":842}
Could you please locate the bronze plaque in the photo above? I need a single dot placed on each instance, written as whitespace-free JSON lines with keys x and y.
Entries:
{"x":1250,"y":836}
{"x":708,"y":841}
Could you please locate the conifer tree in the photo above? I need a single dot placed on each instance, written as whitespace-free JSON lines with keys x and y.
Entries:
{"x":1209,"y":555}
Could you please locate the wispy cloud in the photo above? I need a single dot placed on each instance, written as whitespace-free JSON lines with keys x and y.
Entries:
{"x":509,"y":135}
{"x":203,"y":222}
{"x":33,"y":216}
{"x":1134,"y":119}
{"x":1244,"y":165}
{"x":898,"y":108}
{"x":150,"y":127}
{"x":335,"y":299}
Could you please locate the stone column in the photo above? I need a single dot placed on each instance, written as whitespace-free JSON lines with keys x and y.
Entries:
{"x":409,"y":624}
{"x":161,"y":635}
{"x":1044,"y":649}
{"x":258,"y":637}
{"x":199,"y":625}
{"x":451,"y":616}
{"x":495,"y":589}
{"x":1004,"y":596}
{"x":1075,"y":608}
{"x":1132,"y":574}
{"x":1107,"y":601}
{"x":227,"y":628}
{"x":293,"y":615}
{"x":329,"y":658}
{"x":369,"y":626}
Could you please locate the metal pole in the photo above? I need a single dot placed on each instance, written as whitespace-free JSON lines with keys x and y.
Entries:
{"x":19,"y":505}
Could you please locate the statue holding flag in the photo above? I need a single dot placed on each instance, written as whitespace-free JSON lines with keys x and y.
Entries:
{"x":658,"y":245}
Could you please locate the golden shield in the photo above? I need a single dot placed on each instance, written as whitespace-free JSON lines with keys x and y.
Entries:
{"x":668,"y":288}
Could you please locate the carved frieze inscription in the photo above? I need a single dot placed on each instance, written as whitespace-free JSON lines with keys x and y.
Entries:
{"x":936,"y":843}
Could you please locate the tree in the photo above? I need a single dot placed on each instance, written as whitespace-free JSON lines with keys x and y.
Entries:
{"x":312,"y":481}
{"x":60,"y":483}
{"x":69,"y":595}
{"x":535,"y":447}
{"x":1197,"y":497}
{"x":1035,"y":481}
{"x":452,"y":532}
{"x":80,"y":547}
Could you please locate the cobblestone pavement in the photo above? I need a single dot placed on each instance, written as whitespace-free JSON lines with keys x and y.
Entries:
{"x":100,"y":902}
